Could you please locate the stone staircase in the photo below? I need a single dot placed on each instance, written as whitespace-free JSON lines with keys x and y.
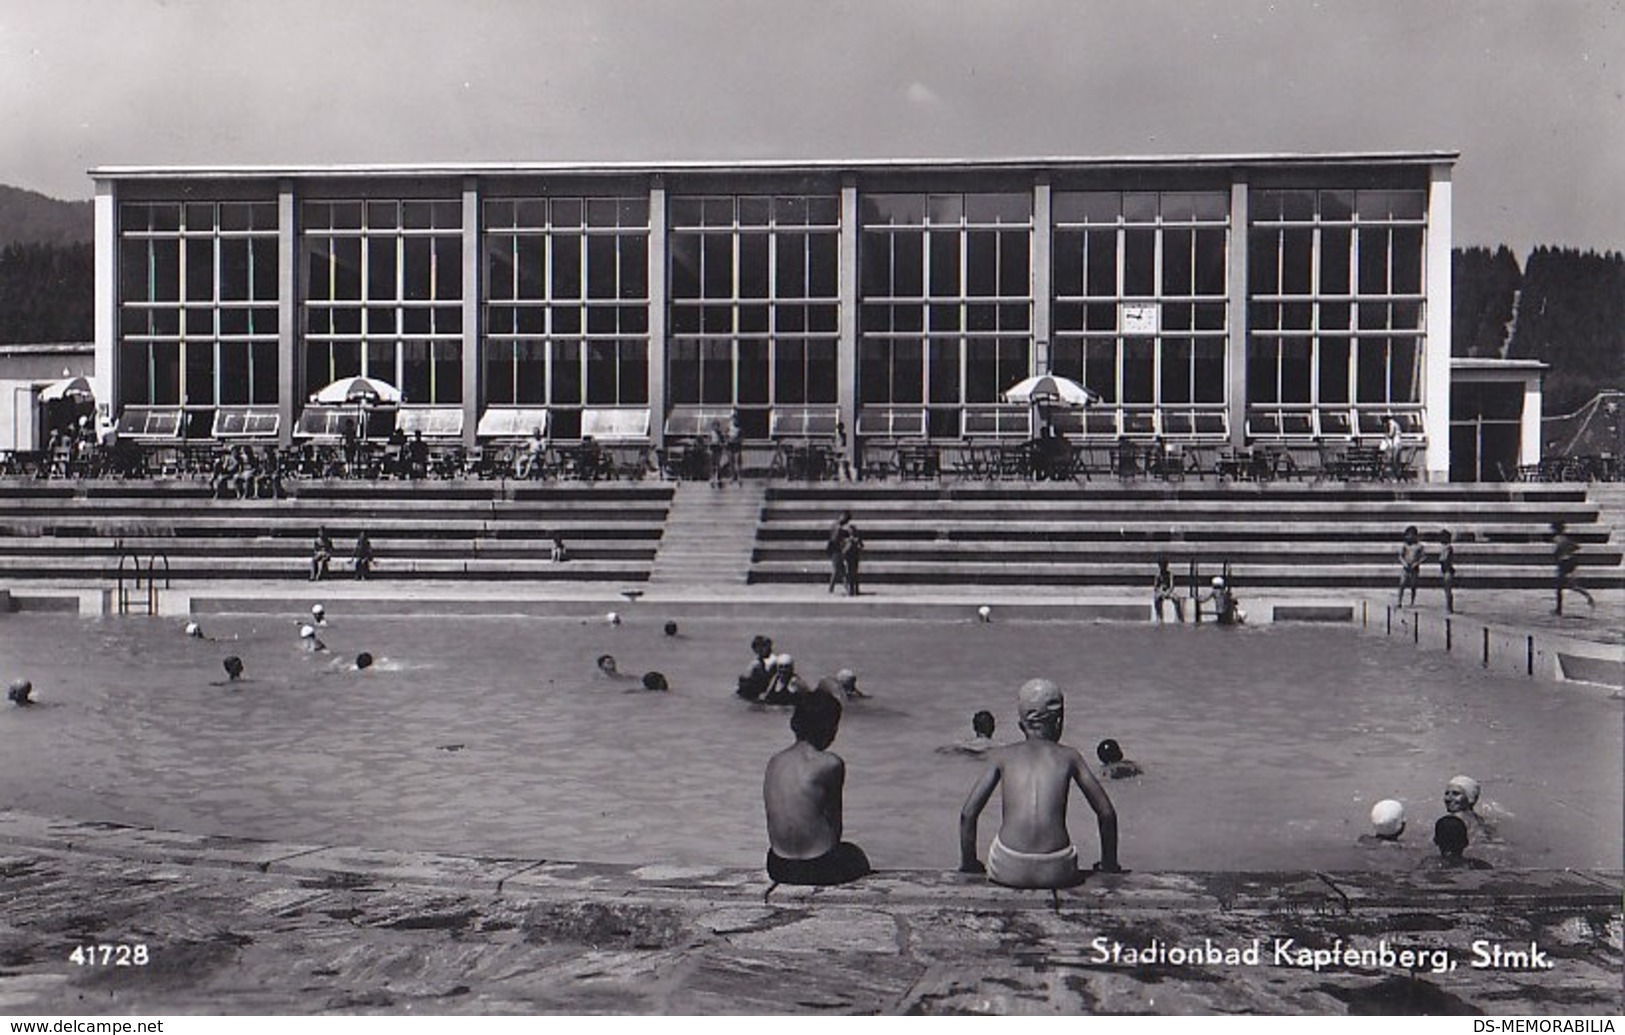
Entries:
{"x":1610,"y":500}
{"x":96,"y":530}
{"x":1286,"y":535}
{"x":709,"y":536}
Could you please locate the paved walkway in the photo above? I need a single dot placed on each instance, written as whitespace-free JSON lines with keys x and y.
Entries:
{"x":231,"y":926}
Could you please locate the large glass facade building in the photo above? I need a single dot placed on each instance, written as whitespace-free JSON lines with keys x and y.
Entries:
{"x":1225,"y":299}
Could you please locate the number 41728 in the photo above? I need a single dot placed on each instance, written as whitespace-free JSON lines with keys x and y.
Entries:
{"x":112,"y":955}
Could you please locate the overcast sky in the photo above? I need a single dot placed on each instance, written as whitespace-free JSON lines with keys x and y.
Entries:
{"x":1530,"y":92}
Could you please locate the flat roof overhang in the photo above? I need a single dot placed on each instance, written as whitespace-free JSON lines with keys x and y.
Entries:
{"x":713,"y":167}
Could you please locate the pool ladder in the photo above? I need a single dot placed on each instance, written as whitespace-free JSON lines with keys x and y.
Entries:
{"x":138,"y":583}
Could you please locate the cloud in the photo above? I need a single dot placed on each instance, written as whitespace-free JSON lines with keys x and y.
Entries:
{"x":919,"y":93}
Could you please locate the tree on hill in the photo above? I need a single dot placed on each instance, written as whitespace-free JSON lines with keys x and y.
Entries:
{"x":46,"y":293}
{"x":1484,"y":293}
{"x":1571,"y":315}
{"x":30,"y":218}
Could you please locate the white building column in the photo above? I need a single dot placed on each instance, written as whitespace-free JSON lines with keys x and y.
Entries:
{"x":106,"y":371}
{"x":846,"y":348}
{"x":1235,"y":353}
{"x":1041,"y":282}
{"x":1436,"y":341}
{"x":471,"y":312}
{"x":1530,"y":446}
{"x":288,"y":401}
{"x":657,"y":314}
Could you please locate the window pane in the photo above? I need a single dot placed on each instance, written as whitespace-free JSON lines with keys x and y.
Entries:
{"x":981,"y":263}
{"x":448,"y":269}
{"x":634,"y":252}
{"x":753,"y":370}
{"x":821,"y":371}
{"x":601,"y":269}
{"x":753,"y":265}
{"x":1014,"y":264}
{"x":1263,"y":371}
{"x":566,"y":264}
{"x":1176,"y":370}
{"x":945,"y":263}
{"x":1139,"y":262}
{"x":1137,"y":370}
{"x":1334,"y":370}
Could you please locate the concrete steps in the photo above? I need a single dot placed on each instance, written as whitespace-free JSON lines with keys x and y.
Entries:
{"x":420,"y":530}
{"x":1274,"y":536}
{"x":709,"y":535}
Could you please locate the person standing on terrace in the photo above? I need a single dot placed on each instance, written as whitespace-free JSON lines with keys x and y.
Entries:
{"x":736,"y":446}
{"x":532,"y":463}
{"x":716,"y":444}
{"x":1033,"y":848}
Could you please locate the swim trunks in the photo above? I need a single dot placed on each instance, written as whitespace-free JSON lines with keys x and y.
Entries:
{"x":845,"y":862}
{"x":1013,"y":869}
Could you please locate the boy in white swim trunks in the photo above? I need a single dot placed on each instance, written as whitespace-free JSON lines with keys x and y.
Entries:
{"x":1033,"y":848}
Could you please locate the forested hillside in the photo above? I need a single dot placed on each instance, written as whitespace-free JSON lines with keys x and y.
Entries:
{"x":1565,"y":308}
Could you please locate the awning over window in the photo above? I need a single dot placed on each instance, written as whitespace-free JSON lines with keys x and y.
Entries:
{"x":694,"y":421}
{"x":804,"y":421}
{"x":510,"y":422}
{"x":245,"y":422}
{"x":615,"y":425}
{"x":892,"y":421}
{"x":149,"y":422}
{"x":998,"y":422}
{"x":433,"y":421}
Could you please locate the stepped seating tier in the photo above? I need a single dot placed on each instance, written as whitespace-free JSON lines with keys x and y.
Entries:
{"x":94,"y":531}
{"x":1099,"y":537}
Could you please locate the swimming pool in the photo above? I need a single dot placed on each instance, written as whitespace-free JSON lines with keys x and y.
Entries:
{"x":1264,"y":747}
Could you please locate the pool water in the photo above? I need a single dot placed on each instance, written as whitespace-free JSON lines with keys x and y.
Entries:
{"x":1264,"y":748}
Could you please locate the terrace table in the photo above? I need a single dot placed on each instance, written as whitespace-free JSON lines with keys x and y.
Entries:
{"x":918,"y":461}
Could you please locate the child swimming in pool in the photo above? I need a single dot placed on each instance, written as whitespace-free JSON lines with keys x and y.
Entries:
{"x":1450,"y":834}
{"x":802,"y":792}
{"x":753,"y":683}
{"x":1033,"y":848}
{"x":1387,"y":824}
{"x":982,"y":726}
{"x":1113,"y":766}
{"x":1461,"y":800}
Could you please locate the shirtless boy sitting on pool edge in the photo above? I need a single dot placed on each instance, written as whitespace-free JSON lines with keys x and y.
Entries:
{"x":802,"y":792}
{"x":1033,"y":848}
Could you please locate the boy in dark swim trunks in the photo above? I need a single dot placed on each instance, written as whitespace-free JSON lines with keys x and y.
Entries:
{"x":1566,"y":564}
{"x":1033,"y":848}
{"x":802,"y":792}
{"x":1411,"y":555}
{"x":1447,"y":569}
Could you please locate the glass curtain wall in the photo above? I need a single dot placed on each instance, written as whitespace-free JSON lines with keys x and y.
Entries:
{"x":383,"y":295}
{"x":198,"y":306}
{"x":566,"y":307}
{"x":1141,"y":312}
{"x":754,"y":303}
{"x":946,"y":317}
{"x":1335,"y":300}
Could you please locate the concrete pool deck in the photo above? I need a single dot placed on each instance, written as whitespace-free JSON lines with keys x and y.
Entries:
{"x":233,"y":926}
